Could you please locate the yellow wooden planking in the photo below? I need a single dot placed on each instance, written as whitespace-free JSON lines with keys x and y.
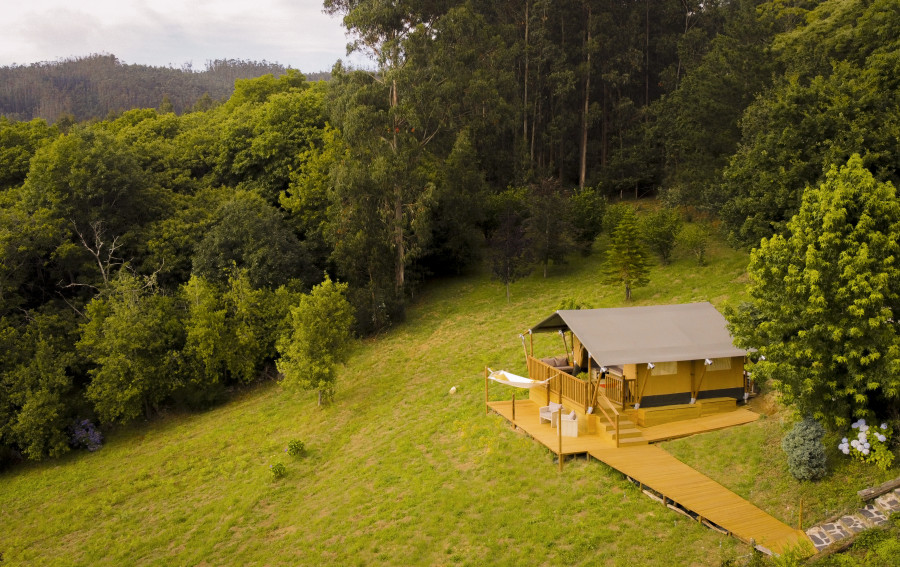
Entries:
{"x":656,"y":469}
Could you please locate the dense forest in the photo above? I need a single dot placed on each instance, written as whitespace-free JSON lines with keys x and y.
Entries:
{"x":99,"y":86}
{"x":152,"y":258}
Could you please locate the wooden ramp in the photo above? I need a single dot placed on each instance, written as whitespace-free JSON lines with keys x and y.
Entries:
{"x":687,"y":427}
{"x":675,"y":481}
{"x":653,"y":467}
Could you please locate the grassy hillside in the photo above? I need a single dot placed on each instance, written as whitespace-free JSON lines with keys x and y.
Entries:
{"x":399,"y":471}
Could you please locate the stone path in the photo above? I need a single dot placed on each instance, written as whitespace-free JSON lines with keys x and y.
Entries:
{"x":874,"y":514}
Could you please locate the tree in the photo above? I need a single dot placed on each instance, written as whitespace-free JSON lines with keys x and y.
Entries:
{"x":660,"y":229}
{"x":548,"y":226}
{"x":824,"y":301}
{"x":588,"y":207}
{"x":626,"y":258}
{"x":510,"y":250}
{"x":250,"y":234}
{"x":134,"y":338}
{"x":318,"y":340}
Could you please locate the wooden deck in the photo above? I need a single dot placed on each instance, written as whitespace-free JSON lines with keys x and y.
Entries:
{"x":687,"y":427}
{"x":675,"y":481}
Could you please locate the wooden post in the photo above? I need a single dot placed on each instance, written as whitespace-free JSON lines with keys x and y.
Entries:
{"x":617,"y":430}
{"x":487,"y":409}
{"x":514,"y":408}
{"x":548,"y":392}
{"x":531,"y":340}
{"x":800,"y":517}
{"x":559,"y":434}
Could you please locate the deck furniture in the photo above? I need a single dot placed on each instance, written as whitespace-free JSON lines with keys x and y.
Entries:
{"x":569,"y":424}
{"x":550,"y":413}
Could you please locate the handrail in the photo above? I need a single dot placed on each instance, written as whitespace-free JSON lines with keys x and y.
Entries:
{"x":572,"y":387}
{"x":620,"y":389}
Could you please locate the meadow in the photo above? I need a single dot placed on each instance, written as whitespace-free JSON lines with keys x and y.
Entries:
{"x":400,"y":471}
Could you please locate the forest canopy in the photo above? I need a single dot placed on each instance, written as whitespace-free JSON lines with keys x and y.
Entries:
{"x":154,"y":255}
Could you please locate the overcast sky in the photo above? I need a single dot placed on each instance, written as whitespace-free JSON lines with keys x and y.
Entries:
{"x":295,"y":33}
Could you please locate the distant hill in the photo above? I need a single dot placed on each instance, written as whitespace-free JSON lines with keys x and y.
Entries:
{"x":98,"y":85}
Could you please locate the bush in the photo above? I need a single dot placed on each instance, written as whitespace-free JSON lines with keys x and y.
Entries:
{"x":871,"y":444}
{"x":659,"y":230}
{"x":296,"y":448}
{"x":86,"y":436}
{"x":695,"y":239}
{"x":278,"y":470}
{"x":805,"y":450}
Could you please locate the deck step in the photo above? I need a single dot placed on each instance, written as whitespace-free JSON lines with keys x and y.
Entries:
{"x":632,"y":441}
{"x":626,"y":433}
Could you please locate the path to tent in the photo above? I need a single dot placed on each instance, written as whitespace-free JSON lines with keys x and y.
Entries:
{"x":665,"y":478}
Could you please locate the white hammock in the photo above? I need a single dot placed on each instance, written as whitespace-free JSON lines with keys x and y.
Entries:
{"x":510,"y":379}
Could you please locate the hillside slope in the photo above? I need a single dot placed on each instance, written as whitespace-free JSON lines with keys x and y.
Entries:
{"x":398,"y":472}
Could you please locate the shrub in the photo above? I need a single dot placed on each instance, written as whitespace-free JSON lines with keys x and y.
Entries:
{"x":296,"y":448}
{"x":659,"y":230}
{"x":805,"y":450}
{"x":871,"y":445}
{"x":278,"y":470}
{"x":86,"y":436}
{"x":695,"y":239}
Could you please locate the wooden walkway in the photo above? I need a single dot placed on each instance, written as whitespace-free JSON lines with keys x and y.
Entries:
{"x":674,"y":481}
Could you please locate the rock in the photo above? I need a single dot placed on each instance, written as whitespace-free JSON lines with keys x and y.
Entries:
{"x":453,"y":390}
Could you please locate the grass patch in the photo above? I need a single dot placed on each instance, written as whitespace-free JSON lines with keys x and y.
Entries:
{"x":397,"y":471}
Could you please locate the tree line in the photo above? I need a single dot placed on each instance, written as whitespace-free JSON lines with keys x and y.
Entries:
{"x":157,"y":258}
{"x":100,"y":85}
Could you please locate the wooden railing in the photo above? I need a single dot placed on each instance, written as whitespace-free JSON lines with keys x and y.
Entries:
{"x":573,"y":388}
{"x":619,"y":389}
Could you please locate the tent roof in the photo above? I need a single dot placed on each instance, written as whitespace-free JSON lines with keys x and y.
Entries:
{"x":658,"y":333}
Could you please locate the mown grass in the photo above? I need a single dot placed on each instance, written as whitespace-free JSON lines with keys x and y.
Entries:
{"x":398,"y":470}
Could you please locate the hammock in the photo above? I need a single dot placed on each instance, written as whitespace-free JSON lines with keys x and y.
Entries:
{"x":515,"y":381}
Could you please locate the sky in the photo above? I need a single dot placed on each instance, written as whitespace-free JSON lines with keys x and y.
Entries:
{"x":294,"y":33}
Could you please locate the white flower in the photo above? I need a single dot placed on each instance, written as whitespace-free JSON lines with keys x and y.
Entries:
{"x":867,"y":446}
{"x":845,"y":450}
{"x":854,"y":425}
{"x":862,"y":436}
{"x":882,"y":438}
{"x":884,"y":425}
{"x":865,"y":451}
{"x":863,"y":427}
{"x":844,"y":440}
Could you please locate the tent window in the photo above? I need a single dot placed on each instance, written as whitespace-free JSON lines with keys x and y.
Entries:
{"x":720,"y":364}
{"x":663,"y":368}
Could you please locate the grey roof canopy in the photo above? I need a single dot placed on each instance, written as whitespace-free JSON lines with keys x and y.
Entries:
{"x":658,"y":333}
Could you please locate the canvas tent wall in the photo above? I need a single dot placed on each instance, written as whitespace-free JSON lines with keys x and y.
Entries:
{"x":677,"y":340}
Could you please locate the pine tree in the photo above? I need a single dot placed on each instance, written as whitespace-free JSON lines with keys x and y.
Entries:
{"x":627,"y":258}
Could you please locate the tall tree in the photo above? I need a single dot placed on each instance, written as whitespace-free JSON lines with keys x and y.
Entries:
{"x":318,"y":340}
{"x":627,"y":259}
{"x":824,"y":298}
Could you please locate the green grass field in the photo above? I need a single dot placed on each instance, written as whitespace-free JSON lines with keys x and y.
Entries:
{"x":398,"y":470}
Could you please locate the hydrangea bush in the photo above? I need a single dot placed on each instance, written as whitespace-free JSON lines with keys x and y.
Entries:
{"x":871,"y":444}
{"x":85,"y":435}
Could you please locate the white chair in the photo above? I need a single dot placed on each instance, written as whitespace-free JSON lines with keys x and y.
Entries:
{"x":569,"y":424}
{"x":549,"y":413}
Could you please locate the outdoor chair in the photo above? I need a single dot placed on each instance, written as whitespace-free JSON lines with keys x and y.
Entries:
{"x":569,"y":424}
{"x":549,"y":413}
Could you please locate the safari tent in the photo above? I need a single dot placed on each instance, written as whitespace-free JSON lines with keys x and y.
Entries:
{"x":672,"y":359}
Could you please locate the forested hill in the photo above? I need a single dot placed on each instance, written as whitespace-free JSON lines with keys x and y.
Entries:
{"x":152,"y":258}
{"x":97,"y":85}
